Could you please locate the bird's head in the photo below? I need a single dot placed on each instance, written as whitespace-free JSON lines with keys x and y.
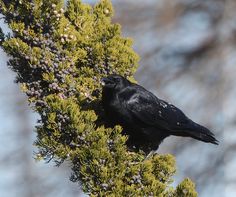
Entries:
{"x":114,"y":82}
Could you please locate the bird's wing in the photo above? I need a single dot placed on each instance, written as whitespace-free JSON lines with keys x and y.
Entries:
{"x":150,"y":110}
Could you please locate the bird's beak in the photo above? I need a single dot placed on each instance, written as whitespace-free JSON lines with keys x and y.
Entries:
{"x":105,"y":81}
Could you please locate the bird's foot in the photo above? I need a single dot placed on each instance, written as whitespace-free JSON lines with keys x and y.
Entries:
{"x":131,"y":153}
{"x":150,"y":155}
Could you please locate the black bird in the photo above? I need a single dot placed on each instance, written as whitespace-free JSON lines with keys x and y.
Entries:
{"x":144,"y":117}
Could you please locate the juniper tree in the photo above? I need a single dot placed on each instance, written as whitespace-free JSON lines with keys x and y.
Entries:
{"x":60,"y":52}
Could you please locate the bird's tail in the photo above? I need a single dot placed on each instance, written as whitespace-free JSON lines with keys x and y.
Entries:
{"x":203,"y":134}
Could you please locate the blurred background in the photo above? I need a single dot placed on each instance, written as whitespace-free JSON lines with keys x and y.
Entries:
{"x":188,"y":57}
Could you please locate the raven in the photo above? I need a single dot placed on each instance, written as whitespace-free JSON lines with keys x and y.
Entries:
{"x":146,"y":119}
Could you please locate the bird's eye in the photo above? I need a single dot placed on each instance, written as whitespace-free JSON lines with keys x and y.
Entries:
{"x":117,"y":79}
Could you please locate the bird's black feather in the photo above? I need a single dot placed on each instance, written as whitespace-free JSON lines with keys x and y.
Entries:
{"x":145,"y":118}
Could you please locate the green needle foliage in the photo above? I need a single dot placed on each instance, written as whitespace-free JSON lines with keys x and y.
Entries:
{"x":59,"y":53}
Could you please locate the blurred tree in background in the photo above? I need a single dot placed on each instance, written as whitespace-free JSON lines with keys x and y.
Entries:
{"x":59,"y":54}
{"x":188,"y":50}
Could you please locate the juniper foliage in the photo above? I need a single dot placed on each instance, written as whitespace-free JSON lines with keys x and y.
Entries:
{"x":59,"y":53}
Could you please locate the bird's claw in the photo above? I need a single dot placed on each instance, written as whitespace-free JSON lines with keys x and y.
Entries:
{"x":150,"y":155}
